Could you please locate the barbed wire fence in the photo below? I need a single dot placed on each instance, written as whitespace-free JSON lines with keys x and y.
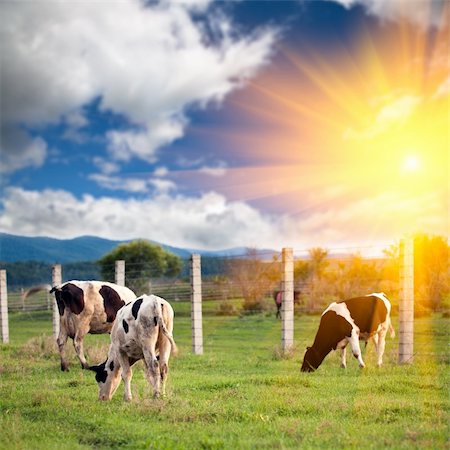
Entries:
{"x":248,"y":284}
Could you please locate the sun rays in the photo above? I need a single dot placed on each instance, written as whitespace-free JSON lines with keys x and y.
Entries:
{"x":352,"y":120}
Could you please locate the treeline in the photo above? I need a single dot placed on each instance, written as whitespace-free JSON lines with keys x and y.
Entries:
{"x":319,"y":278}
{"x":30,"y":273}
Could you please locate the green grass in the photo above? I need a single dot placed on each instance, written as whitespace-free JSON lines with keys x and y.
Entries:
{"x":240,"y":394}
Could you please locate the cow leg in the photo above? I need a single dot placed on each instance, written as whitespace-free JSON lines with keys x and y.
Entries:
{"x":79,"y":350}
{"x":164,"y":354}
{"x":152,"y":369}
{"x":380,"y":347}
{"x":356,"y":349}
{"x":375,"y":342}
{"x":344,"y":357}
{"x":61,"y":341}
{"x":127,"y":375}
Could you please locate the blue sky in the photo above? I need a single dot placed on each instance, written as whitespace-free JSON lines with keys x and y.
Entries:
{"x":207,"y":124}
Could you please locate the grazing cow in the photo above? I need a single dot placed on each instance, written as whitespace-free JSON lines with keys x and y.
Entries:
{"x":142,"y":330}
{"x":85,"y":307}
{"x":348,"y":321}
{"x":278,"y":298}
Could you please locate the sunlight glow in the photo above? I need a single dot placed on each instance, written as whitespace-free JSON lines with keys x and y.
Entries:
{"x":411,"y":163}
{"x":333,"y":129}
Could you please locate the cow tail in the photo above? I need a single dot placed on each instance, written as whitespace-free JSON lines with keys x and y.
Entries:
{"x":164,"y":329}
{"x":34,"y":289}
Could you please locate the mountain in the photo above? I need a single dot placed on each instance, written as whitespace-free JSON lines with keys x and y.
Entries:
{"x":87,"y":248}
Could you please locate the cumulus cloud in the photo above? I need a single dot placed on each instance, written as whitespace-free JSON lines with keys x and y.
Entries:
{"x":143,"y":144}
{"x":148,"y":63}
{"x":133,"y":184}
{"x":19,"y":150}
{"x":211,"y":222}
{"x":208,"y":221}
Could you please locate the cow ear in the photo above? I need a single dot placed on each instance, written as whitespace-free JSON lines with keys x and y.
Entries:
{"x":307,"y":348}
{"x":95,"y":368}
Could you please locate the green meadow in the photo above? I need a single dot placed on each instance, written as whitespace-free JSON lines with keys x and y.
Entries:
{"x":242,"y":393}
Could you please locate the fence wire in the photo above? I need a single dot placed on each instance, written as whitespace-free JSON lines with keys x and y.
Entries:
{"x":246,"y":284}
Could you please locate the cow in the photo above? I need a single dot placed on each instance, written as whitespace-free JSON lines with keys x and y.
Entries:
{"x":349,"y":321}
{"x":142,"y":330}
{"x":278,"y":298}
{"x":85,"y":307}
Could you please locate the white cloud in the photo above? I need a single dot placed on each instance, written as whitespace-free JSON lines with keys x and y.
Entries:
{"x":207,"y":221}
{"x":133,"y":184}
{"x":161,"y":171}
{"x":146,"y":62}
{"x":124,"y":145}
{"x":19,"y":150}
{"x":392,"y":113}
{"x":212,"y":222}
{"x":120,"y":183}
{"x":218,"y":170}
{"x":76,"y":119}
{"x":105,"y":166}
{"x":421,"y":12}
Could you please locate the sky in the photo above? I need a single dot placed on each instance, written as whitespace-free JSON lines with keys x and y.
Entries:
{"x":216,"y":124}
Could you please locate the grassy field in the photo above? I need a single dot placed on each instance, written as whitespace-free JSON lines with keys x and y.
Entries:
{"x":239,"y":394}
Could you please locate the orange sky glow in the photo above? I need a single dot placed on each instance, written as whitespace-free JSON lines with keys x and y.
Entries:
{"x":360,"y":137}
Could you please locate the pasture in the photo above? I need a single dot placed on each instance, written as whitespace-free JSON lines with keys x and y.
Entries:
{"x":240,"y":394}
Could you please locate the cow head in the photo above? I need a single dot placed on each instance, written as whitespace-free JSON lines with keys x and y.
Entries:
{"x":311,"y":360}
{"x":107,"y":376}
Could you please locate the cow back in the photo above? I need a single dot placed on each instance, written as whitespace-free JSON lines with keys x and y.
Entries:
{"x":367,"y":312}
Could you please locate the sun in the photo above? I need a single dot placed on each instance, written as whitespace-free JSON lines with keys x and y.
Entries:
{"x":411,"y":163}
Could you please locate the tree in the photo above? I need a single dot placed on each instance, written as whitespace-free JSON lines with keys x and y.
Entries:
{"x":143,"y":261}
{"x":318,"y":263}
{"x":255,"y":279}
{"x":431,"y":269}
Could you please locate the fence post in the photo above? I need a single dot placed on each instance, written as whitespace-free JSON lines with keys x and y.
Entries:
{"x":287,"y":306}
{"x":196,"y":305}
{"x":406,"y":302}
{"x":56,"y":281}
{"x":120,"y":272}
{"x":4,"y":307}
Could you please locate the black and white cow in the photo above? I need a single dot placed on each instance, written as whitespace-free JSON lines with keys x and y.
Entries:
{"x":347,"y":322}
{"x":85,"y":307}
{"x":142,"y":330}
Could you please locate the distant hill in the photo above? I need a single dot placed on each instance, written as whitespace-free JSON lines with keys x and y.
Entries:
{"x":87,"y":248}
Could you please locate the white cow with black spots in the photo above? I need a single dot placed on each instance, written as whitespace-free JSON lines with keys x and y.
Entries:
{"x":142,"y":330}
{"x":347,"y":322}
{"x":84,"y":307}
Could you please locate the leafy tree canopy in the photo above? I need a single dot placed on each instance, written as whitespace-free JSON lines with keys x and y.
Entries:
{"x":143,"y":260}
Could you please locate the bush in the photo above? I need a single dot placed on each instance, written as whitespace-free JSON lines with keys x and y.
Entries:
{"x":226,"y":308}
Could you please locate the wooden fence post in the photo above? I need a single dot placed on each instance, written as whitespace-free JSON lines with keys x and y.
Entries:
{"x":287,"y":306}
{"x":196,"y":305}
{"x":56,"y":281}
{"x":4,"y":307}
{"x":120,"y":272}
{"x":406,"y":302}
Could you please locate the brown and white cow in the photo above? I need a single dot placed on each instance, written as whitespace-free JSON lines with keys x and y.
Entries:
{"x":142,"y":330}
{"x":347,"y":322}
{"x":278,"y":298}
{"x":85,"y":307}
